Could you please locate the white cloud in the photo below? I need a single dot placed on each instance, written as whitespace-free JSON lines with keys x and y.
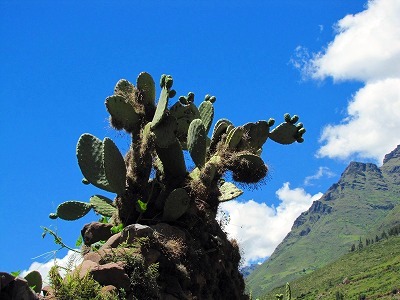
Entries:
{"x":322,"y":172}
{"x":366,"y":48}
{"x":70,"y":259}
{"x":259,"y":228}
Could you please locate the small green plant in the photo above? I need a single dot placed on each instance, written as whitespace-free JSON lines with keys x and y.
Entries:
{"x":75,"y":287}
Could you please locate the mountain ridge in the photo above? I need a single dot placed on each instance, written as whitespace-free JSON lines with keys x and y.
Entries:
{"x":363,"y":201}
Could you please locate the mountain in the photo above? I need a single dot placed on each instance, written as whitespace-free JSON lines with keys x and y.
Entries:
{"x":364,"y":201}
{"x":372,"y":272}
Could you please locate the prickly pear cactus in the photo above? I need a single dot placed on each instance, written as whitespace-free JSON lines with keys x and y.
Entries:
{"x":156,"y":186}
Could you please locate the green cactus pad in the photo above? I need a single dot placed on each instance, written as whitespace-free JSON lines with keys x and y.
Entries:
{"x":286,"y":133}
{"x":161,"y":108}
{"x":146,"y":86}
{"x":89,"y":152}
{"x":172,"y":159}
{"x":206,"y":110}
{"x":165,"y":134}
{"x":219,"y":129}
{"x":229,"y":191}
{"x":35,"y":281}
{"x":114,"y":167}
{"x":234,"y":137}
{"x":248,"y":168}
{"x":72,"y":210}
{"x":102,"y":205}
{"x":123,"y":115}
{"x":176,"y":205}
{"x":124,"y":88}
{"x":184,"y":115}
{"x":256,"y":135}
{"x":196,"y":142}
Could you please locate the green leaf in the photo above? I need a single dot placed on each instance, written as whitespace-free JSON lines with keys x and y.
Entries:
{"x":141,"y":206}
{"x":116,"y":229}
{"x":16,"y":273}
{"x":79,"y":241}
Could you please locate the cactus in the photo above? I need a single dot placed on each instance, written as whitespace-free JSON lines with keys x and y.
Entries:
{"x":196,"y":142}
{"x":229,"y":191}
{"x":34,"y":280}
{"x":176,"y":205}
{"x":71,"y":210}
{"x":102,"y":205}
{"x":287,"y":132}
{"x":152,"y":182}
{"x":206,"y":110}
{"x":123,"y":115}
{"x":101,"y":163}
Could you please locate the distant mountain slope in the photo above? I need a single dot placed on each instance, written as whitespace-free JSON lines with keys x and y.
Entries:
{"x":364,"y":200}
{"x":373,"y":272}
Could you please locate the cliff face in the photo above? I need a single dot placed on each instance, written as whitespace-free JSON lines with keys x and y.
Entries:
{"x":364,"y":201}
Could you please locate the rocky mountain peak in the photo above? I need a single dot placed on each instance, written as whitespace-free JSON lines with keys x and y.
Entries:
{"x":395,"y":154}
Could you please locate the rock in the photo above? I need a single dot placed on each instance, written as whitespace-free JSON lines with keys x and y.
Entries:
{"x":92,"y":256}
{"x":95,"y":232}
{"x":131,"y":232}
{"x":111,"y":274}
{"x":15,"y":288}
{"x":113,"y":241}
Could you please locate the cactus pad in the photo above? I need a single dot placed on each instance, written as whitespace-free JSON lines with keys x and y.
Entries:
{"x":123,"y":115}
{"x":287,"y":133}
{"x":206,"y":110}
{"x":176,"y":205}
{"x":89,"y":152}
{"x":196,"y":142}
{"x":229,"y":191}
{"x":146,"y":86}
{"x":72,"y":210}
{"x":255,"y":135}
{"x":234,"y":137}
{"x":102,"y":205}
{"x":165,"y":135}
{"x":114,"y":166}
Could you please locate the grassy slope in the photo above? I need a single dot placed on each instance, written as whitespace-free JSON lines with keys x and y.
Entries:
{"x":354,"y":202}
{"x":373,"y":271}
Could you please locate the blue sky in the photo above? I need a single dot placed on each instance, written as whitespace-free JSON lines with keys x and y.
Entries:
{"x":334,"y":63}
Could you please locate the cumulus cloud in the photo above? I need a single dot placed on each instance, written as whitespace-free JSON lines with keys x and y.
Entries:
{"x":366,"y":48}
{"x":71,"y":259}
{"x":259,"y":228}
{"x":322,"y":172}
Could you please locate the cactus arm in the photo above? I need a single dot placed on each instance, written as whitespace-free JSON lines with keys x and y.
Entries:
{"x":146,"y":86}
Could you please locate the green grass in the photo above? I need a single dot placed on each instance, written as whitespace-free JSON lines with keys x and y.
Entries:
{"x":373,"y":272}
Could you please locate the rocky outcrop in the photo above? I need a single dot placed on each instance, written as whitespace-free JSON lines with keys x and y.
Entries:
{"x":13,"y":288}
{"x":164,"y":261}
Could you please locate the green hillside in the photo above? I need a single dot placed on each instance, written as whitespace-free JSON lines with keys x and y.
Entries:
{"x":373,"y":272}
{"x":365,"y":200}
